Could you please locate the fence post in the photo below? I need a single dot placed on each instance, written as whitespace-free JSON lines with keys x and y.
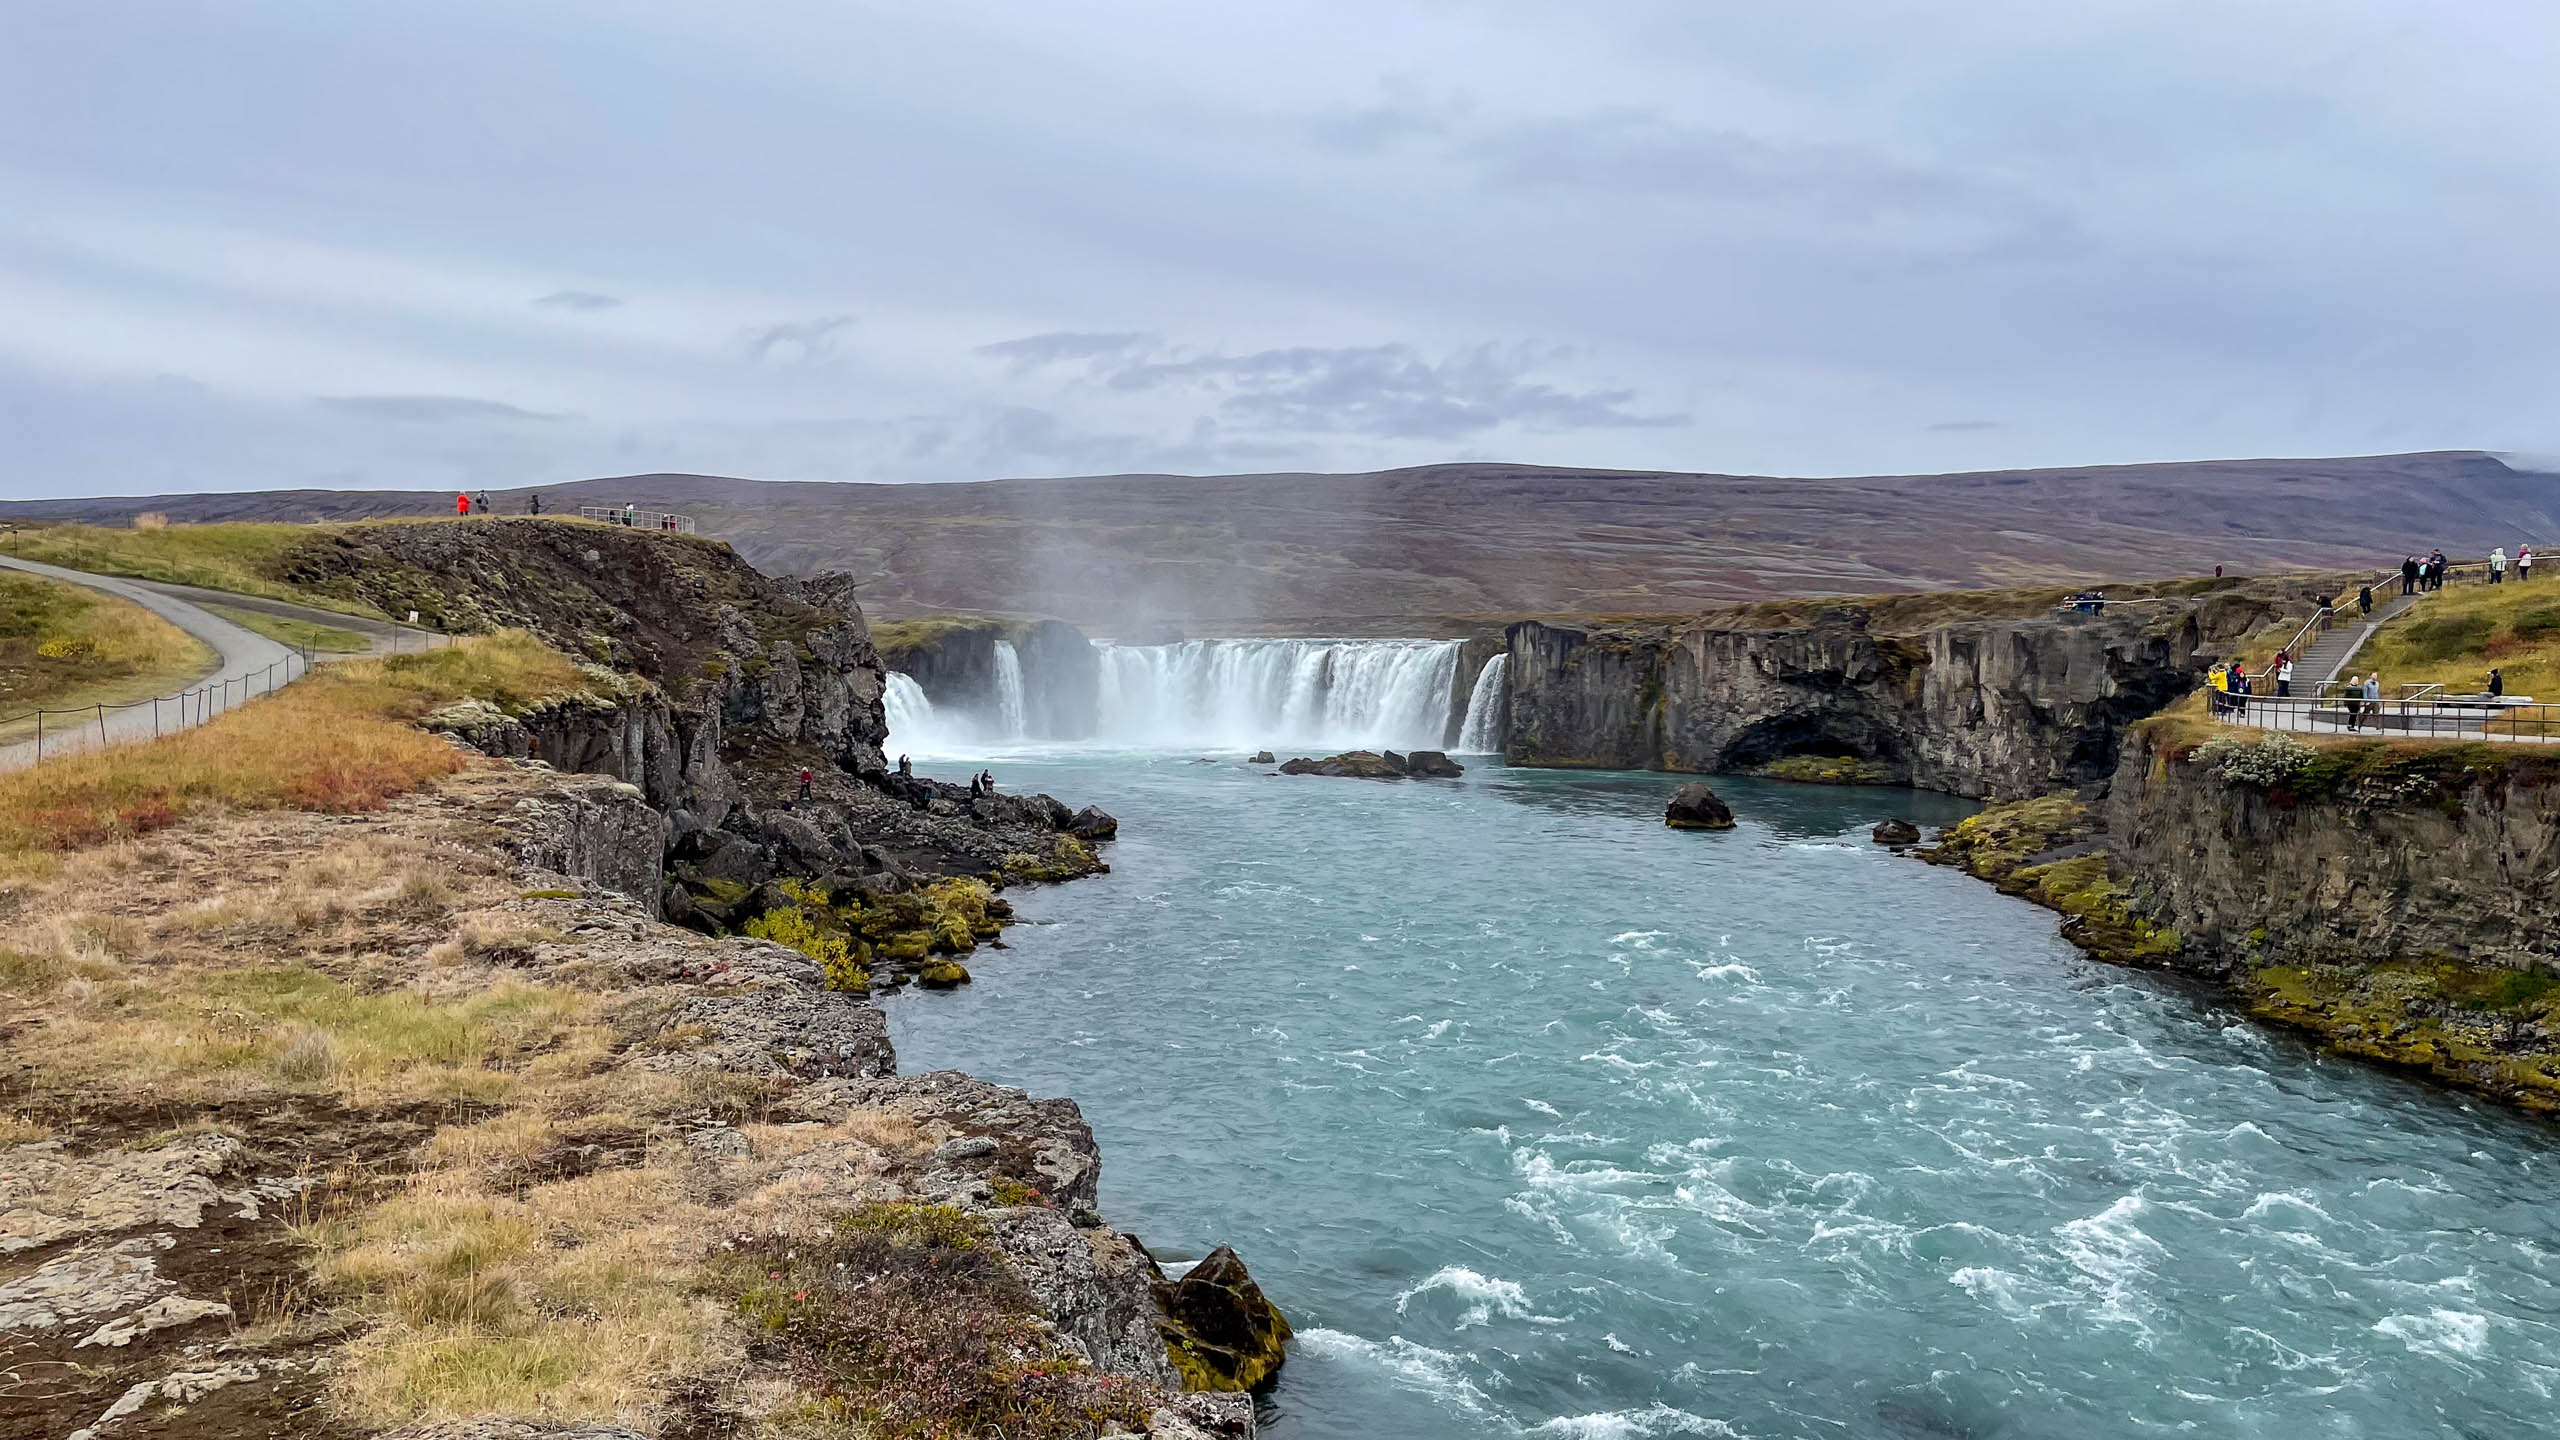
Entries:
{"x":102,"y":726}
{"x":39,"y":733}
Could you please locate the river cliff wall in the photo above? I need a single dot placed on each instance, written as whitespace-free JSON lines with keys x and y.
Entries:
{"x":1980,"y":708}
{"x":2383,"y":852}
{"x":956,"y":663}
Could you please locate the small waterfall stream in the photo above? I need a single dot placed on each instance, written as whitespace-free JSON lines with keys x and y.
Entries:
{"x":1488,"y":710}
{"x":910,"y":716}
{"x":1009,"y":703}
{"x":1315,"y":694}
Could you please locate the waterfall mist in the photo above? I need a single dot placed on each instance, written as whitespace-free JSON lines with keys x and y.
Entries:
{"x":1246,"y":694}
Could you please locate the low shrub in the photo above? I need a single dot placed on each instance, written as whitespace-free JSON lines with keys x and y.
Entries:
{"x":908,"y":1324}
{"x":2267,"y":762}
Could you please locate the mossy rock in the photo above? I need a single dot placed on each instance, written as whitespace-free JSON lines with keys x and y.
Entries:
{"x":943,"y":975}
{"x":1218,"y":1328}
{"x":907,"y":947}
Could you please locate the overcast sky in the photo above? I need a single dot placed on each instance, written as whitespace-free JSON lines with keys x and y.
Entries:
{"x":340,"y":243}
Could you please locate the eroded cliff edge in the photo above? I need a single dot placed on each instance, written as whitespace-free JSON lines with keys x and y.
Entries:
{"x":1992,"y":707}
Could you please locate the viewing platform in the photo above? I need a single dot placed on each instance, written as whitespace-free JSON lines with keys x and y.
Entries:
{"x":637,"y":519}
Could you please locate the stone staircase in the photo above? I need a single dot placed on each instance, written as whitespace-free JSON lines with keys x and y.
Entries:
{"x":2325,"y":659}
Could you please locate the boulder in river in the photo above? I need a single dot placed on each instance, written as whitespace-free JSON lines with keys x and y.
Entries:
{"x":1896,"y":833}
{"x":1262,"y":757}
{"x":1695,"y":807}
{"x":1433,"y":763}
{"x":1092,"y":823}
{"x":1222,"y":1333}
{"x":1355,"y":764}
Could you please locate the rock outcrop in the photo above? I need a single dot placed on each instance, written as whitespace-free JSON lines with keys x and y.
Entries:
{"x":1377,"y":765}
{"x":1695,"y":807}
{"x":1221,"y":1332}
{"x":709,"y":688}
{"x":1976,"y":707}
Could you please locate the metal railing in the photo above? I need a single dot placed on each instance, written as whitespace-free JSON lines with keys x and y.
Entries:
{"x":631,"y":517}
{"x":2421,"y":712}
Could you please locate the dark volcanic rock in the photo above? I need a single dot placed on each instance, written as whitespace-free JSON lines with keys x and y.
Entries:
{"x":1262,"y":757}
{"x":1223,"y":1333}
{"x":1093,"y":823}
{"x":1695,"y":807}
{"x":1433,"y":763}
{"x":1352,"y":764}
{"x":1896,"y":833}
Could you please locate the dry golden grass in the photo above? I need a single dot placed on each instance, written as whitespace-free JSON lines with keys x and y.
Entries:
{"x":572,"y":1300}
{"x":337,"y":742}
{"x":63,"y":646}
{"x":239,"y":556}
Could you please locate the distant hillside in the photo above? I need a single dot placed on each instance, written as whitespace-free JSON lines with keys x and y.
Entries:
{"x":1121,"y":551}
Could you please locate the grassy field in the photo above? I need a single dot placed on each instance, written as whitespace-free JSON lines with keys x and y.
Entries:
{"x":240,"y":557}
{"x":64,"y":646}
{"x":2455,"y":636}
{"x":328,"y":639}
{"x":338,"y":741}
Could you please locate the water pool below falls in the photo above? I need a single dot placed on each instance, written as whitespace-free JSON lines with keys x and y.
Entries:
{"x":1539,"y":1118}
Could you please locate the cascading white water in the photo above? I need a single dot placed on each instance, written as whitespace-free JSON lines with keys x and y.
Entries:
{"x":1331,"y":694}
{"x":1486,"y":710}
{"x":1009,"y":705}
{"x":910,"y":717}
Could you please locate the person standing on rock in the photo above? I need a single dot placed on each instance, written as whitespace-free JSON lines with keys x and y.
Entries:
{"x":906,"y":767}
{"x":807,"y":779}
{"x":534,"y":506}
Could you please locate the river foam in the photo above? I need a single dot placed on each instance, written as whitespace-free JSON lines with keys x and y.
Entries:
{"x":1839,"y":1145}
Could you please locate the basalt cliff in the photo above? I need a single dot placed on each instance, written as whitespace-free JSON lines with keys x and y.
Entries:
{"x":1991,"y":707}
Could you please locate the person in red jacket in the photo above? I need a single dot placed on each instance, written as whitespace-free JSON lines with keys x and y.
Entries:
{"x":462,"y":504}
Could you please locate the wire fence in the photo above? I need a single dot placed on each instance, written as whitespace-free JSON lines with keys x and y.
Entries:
{"x":60,"y":732}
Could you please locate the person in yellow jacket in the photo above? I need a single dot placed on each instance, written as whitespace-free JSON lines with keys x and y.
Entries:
{"x":2220,"y":679}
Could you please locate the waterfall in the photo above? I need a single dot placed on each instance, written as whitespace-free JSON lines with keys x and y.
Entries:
{"x":1316,"y":694}
{"x":1009,"y":709}
{"x":910,"y":716}
{"x":1487,"y":710}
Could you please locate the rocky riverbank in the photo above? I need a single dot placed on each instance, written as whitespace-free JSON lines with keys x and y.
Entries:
{"x":549,"y":1099}
{"x":2389,"y":899}
{"x":609,"y":1201}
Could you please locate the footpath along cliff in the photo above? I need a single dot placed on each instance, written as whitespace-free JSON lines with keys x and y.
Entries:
{"x":549,"y":1098}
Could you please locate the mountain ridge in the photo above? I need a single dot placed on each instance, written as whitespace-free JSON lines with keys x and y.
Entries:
{"x":1492,"y":538}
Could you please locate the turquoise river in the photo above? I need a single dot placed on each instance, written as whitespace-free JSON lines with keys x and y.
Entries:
{"x":1538,"y":1118}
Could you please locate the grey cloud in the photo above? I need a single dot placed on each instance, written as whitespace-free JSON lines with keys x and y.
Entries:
{"x":1033,"y":351}
{"x":1958,"y":426}
{"x":583,"y":301}
{"x":427,"y":409}
{"x":799,"y":342}
{"x":1390,"y":391}
{"x":1369,"y":129}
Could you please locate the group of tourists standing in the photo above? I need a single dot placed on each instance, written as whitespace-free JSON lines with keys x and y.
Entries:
{"x":2422,"y":574}
{"x":466,"y":503}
